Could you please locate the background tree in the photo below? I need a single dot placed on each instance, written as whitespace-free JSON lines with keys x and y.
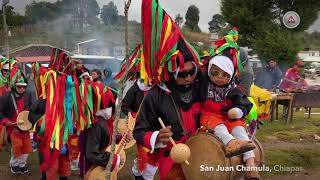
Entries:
{"x":312,"y":40}
{"x":91,"y":11}
{"x":109,"y":14}
{"x":192,"y":18}
{"x":84,"y":10}
{"x":273,"y":42}
{"x":260,"y":25}
{"x":13,"y":18}
{"x":179,"y":20}
{"x":42,"y":12}
{"x":216,"y":24}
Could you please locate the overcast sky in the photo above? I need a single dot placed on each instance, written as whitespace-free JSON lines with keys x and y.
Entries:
{"x":207,"y":9}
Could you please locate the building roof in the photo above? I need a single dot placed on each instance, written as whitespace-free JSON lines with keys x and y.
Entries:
{"x":81,"y":56}
{"x":33,"y":53}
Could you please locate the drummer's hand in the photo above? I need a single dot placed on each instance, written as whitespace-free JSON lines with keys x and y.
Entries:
{"x":121,"y":161}
{"x":301,"y":79}
{"x":9,"y":123}
{"x":164,"y":135}
{"x":129,"y":137}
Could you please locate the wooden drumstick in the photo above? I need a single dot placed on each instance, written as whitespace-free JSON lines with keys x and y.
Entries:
{"x":170,"y":138}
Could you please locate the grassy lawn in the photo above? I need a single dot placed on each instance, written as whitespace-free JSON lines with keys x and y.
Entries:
{"x":291,"y":145}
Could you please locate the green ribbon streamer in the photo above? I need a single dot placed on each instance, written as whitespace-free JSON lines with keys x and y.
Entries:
{"x":253,"y":115}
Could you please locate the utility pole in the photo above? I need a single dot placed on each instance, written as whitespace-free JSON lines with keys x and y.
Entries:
{"x":5,"y":27}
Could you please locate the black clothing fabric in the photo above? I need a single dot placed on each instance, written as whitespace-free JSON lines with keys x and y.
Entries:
{"x":37,"y":110}
{"x":158,"y":103}
{"x":131,"y":102}
{"x":95,"y":141}
{"x":7,"y":109}
{"x":238,"y":98}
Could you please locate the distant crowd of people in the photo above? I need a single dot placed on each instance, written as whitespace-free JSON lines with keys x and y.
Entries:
{"x":271,"y":78}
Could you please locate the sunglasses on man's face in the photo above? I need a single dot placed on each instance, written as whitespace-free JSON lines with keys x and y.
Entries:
{"x":21,"y":87}
{"x":5,"y":70}
{"x":185,"y":74}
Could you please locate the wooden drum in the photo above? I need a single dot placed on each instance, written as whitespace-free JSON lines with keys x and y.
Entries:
{"x":207,"y":154}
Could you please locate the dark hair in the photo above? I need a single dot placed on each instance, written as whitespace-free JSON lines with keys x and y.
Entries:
{"x":226,"y":53}
{"x":97,"y":71}
{"x":80,"y":70}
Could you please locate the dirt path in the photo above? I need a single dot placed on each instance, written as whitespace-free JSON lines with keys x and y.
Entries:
{"x":287,"y":145}
{"x":314,"y":174}
{"x":303,"y":175}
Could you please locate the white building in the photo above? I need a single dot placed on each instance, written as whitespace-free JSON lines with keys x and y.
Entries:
{"x":310,"y":55}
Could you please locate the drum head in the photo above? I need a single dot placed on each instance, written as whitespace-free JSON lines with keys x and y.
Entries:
{"x":258,"y":152}
{"x":99,"y":172}
{"x":207,"y":153}
{"x":23,"y":122}
{"x":96,"y":173}
{"x":122,"y":128}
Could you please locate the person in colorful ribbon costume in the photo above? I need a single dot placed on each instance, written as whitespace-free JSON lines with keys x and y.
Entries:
{"x":11,"y":105}
{"x":71,"y":103}
{"x":145,"y":165}
{"x":170,"y":64}
{"x":226,"y":106}
{"x":97,"y":139}
{"x":4,"y":76}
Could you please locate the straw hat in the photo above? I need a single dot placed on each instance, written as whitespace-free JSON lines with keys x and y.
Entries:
{"x":23,"y":122}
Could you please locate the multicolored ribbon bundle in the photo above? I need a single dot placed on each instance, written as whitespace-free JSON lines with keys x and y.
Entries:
{"x":71,"y":102}
{"x":229,"y":42}
{"x":134,"y":67}
{"x":2,"y":62}
{"x":16,"y":75}
{"x":160,"y":37}
{"x":2,"y":78}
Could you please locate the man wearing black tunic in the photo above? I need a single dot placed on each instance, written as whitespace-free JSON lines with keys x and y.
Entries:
{"x":177,"y":104}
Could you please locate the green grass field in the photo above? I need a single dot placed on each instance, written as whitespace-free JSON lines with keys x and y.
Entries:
{"x":292,"y":145}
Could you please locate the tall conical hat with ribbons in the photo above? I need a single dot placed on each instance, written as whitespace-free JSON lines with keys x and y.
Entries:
{"x":161,"y":38}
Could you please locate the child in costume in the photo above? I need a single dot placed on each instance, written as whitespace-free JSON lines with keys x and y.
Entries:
{"x":224,"y":109}
{"x":12,"y":103}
